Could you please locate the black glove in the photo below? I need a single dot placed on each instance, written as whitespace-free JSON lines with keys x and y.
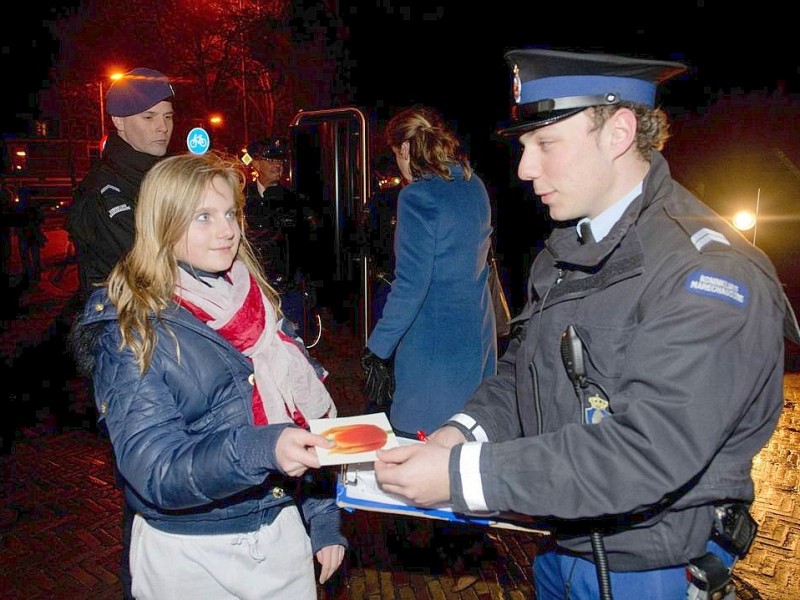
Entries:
{"x":379,"y":374}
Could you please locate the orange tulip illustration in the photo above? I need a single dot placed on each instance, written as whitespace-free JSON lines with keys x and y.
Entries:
{"x":359,"y":437}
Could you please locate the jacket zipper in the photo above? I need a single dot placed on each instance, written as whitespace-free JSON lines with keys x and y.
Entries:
{"x":537,"y":406}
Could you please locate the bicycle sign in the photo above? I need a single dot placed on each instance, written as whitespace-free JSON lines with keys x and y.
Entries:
{"x":198,"y":141}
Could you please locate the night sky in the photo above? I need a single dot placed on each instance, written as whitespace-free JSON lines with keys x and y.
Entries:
{"x":453,"y":57}
{"x":27,"y":51}
{"x":447,"y":55}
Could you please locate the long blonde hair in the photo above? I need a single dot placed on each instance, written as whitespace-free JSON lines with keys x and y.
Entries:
{"x":142,"y":285}
{"x":432,"y":145}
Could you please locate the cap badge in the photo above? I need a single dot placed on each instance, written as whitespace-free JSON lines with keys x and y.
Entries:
{"x":517,"y":85}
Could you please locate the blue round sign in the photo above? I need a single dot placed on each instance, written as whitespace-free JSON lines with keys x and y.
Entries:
{"x":198,"y":141}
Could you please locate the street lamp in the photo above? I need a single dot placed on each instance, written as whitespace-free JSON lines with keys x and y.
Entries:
{"x":215,"y":121}
{"x":744,"y":220}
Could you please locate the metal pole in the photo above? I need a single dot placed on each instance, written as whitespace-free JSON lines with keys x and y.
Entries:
{"x":102,"y":112}
{"x":244,"y":104}
{"x":244,"y":81}
{"x":755,"y":225}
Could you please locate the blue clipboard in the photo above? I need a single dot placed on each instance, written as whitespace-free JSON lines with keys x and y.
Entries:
{"x":349,"y":498}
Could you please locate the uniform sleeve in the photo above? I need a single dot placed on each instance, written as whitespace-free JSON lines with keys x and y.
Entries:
{"x":102,"y":225}
{"x":115,"y":226}
{"x":697,"y":387}
{"x":415,"y":248}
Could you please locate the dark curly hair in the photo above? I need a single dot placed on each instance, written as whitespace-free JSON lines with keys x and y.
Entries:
{"x":652,"y":130}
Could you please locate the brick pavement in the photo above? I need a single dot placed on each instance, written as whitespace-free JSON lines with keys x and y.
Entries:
{"x":59,"y":508}
{"x":773,"y":563}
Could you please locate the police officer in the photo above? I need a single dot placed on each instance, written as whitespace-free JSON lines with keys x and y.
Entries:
{"x":647,"y":367}
{"x":280,"y":221}
{"x":101,"y":218}
{"x":100,"y":221}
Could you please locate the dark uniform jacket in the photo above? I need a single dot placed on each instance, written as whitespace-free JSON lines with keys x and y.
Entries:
{"x":280,"y":225}
{"x":101,"y":220}
{"x":681,"y":322}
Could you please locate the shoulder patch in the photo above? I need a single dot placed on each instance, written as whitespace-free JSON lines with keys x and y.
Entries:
{"x":711,"y":285}
{"x":110,"y":188}
{"x":118,"y":209}
{"x":702,"y":237}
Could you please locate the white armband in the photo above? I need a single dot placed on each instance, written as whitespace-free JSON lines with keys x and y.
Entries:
{"x":471,"y":425}
{"x":469,"y":469}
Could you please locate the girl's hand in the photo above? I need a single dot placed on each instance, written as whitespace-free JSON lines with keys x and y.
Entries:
{"x":329,"y":557}
{"x":296,"y":451}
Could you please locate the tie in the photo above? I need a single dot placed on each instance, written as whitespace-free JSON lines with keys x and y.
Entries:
{"x":586,"y":233}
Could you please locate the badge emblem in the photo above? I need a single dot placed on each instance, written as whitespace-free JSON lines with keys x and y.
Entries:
{"x":721,"y":287}
{"x":598,"y":409}
{"x":516,"y":86}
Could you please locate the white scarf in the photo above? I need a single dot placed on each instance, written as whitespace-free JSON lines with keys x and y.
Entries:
{"x":237,"y":309}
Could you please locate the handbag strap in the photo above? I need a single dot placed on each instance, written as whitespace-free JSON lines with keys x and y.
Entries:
{"x":491,"y":257}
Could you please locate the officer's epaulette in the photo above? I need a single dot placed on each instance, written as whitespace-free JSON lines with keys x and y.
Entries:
{"x":704,"y":233}
{"x":108,"y":188}
{"x":705,"y":236}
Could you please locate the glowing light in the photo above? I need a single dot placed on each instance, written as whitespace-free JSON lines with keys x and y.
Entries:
{"x":744,"y":220}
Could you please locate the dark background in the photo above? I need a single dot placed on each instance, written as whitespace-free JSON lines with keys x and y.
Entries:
{"x":449,"y":55}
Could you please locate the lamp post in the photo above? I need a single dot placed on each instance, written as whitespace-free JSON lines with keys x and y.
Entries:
{"x":116,"y":75}
{"x":755,"y":219}
{"x":244,"y":83}
{"x":102,"y":111}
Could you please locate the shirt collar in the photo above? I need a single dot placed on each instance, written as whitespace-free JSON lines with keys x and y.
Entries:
{"x":603,"y":222}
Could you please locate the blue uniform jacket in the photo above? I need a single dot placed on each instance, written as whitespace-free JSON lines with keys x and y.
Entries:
{"x":183,"y":433}
{"x":438,"y":319}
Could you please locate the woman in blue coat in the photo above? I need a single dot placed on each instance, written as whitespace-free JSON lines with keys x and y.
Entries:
{"x":438,"y":322}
